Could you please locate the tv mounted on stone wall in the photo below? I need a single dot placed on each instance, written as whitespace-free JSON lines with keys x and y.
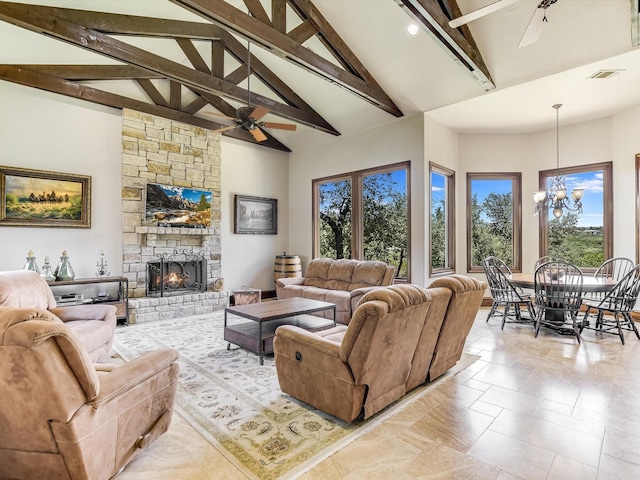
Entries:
{"x":171,"y":206}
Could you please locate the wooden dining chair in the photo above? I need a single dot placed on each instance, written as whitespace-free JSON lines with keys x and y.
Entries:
{"x":612,"y":314}
{"x":558,"y":297}
{"x":505,"y":295}
{"x":615,"y":269}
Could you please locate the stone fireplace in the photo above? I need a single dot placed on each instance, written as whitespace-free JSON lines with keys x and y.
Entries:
{"x":158,"y":150}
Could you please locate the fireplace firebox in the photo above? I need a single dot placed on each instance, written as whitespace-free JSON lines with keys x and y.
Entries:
{"x":177,"y":274}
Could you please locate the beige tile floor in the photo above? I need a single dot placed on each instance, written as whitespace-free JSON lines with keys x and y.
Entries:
{"x":529,"y":408}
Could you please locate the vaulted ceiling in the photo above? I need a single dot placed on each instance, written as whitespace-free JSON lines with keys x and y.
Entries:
{"x":326,"y":66}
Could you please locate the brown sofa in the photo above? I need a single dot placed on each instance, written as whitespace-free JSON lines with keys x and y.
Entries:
{"x":399,"y":337}
{"x":62,"y":417}
{"x":94,"y":325}
{"x":342,"y":282}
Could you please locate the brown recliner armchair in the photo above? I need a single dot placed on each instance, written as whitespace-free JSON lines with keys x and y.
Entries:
{"x":62,"y":417}
{"x":94,"y":325}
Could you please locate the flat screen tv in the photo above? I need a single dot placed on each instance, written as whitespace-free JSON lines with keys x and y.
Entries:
{"x":171,"y":206}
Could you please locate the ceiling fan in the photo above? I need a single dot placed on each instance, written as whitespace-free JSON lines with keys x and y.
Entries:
{"x":533,"y":30}
{"x":248,"y":118}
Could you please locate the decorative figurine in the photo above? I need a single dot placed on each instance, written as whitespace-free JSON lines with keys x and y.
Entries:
{"x":102,"y":265}
{"x":31,"y":262}
{"x":64,"y":271}
{"x":47,"y":273}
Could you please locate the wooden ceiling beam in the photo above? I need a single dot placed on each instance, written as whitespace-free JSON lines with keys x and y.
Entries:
{"x":40,"y":20}
{"x":31,"y":78}
{"x":94,"y":72}
{"x":235,"y":20}
{"x":151,"y":90}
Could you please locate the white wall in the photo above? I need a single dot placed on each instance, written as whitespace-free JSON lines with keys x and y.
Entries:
{"x":401,"y":140}
{"x":248,"y":260}
{"x":44,"y":131}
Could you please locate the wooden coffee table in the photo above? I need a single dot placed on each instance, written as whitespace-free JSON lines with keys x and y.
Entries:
{"x":257,"y":334}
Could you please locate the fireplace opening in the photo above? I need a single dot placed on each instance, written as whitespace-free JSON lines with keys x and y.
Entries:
{"x":176,"y":274}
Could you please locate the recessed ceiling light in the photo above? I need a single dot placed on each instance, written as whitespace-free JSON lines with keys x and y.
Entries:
{"x":413,"y":29}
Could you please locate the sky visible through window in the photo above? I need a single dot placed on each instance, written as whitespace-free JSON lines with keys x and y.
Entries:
{"x":592,"y":200}
{"x":437,"y":189}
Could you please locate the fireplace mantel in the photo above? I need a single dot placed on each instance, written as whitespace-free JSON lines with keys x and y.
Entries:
{"x":175,"y":230}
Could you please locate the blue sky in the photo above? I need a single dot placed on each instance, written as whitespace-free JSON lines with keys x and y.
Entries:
{"x":592,"y":200}
{"x":187,"y":193}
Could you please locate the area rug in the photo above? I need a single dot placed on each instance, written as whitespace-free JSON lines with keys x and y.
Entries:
{"x":237,"y":404}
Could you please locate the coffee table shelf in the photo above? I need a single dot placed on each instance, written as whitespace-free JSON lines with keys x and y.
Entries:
{"x":256,"y":335}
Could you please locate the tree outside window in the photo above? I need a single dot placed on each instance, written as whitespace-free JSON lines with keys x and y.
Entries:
{"x":584,"y":239}
{"x":364,"y":215}
{"x":494,"y":222}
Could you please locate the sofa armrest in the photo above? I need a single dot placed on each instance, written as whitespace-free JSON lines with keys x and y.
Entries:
{"x":85,"y":312}
{"x":310,"y":340}
{"x":124,"y":378}
{"x":283,"y":282}
{"x":290,"y":281}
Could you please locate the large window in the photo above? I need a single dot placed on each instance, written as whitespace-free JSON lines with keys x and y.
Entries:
{"x":584,"y":239}
{"x":494,"y":219}
{"x":442,"y":220}
{"x":364,"y":215}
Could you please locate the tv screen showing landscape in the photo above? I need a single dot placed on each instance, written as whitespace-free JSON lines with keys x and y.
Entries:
{"x":171,"y":206}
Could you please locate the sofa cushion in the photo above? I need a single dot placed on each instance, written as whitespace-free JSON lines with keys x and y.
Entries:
{"x":368,"y":273}
{"x":318,"y":272}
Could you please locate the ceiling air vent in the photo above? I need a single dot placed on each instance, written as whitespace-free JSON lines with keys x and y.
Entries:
{"x":605,"y":74}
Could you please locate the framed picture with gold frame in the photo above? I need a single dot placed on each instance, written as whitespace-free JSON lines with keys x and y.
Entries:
{"x":39,"y":198}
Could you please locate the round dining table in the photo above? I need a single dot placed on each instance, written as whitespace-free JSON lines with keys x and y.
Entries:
{"x":590,"y":284}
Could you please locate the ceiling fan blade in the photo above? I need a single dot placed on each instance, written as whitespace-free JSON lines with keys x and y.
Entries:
{"x":281,"y":126}
{"x":258,"y":134}
{"x":216,"y":114}
{"x":481,"y":12}
{"x":224,"y":129}
{"x":259,"y":112}
{"x":534,"y":28}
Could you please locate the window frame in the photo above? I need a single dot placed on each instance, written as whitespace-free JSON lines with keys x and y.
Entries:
{"x":607,"y":211}
{"x":450,"y":219}
{"x":357,"y":214}
{"x":516,"y":189}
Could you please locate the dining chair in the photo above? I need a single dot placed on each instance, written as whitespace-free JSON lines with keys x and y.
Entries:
{"x":558,"y":297}
{"x":612,"y":314}
{"x":615,"y":269}
{"x":505,"y":295}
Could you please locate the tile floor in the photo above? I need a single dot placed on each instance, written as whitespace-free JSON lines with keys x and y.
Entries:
{"x":529,"y":408}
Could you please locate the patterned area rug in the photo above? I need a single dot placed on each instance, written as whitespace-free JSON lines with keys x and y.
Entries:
{"x":237,"y":404}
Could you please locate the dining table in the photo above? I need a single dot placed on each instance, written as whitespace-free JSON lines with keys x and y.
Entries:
{"x":590,"y":284}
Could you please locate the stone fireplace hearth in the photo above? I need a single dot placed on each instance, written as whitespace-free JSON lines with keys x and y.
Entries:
{"x":158,"y":150}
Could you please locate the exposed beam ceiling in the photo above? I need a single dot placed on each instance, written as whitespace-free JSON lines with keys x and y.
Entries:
{"x":96,"y":31}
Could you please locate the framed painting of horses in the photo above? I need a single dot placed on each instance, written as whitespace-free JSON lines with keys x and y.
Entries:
{"x":39,"y":198}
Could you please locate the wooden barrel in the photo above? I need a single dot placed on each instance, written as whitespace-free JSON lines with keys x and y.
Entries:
{"x":287,"y":266}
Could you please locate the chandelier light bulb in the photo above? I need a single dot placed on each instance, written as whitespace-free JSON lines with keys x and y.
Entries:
{"x":557,"y":212}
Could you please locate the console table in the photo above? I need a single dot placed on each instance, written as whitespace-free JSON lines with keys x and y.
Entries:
{"x":121,"y":302}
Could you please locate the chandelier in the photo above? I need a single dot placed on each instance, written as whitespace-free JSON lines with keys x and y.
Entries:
{"x":556,"y":198}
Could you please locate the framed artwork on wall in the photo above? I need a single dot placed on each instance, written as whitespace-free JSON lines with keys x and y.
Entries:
{"x":255,"y":215}
{"x":39,"y":198}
